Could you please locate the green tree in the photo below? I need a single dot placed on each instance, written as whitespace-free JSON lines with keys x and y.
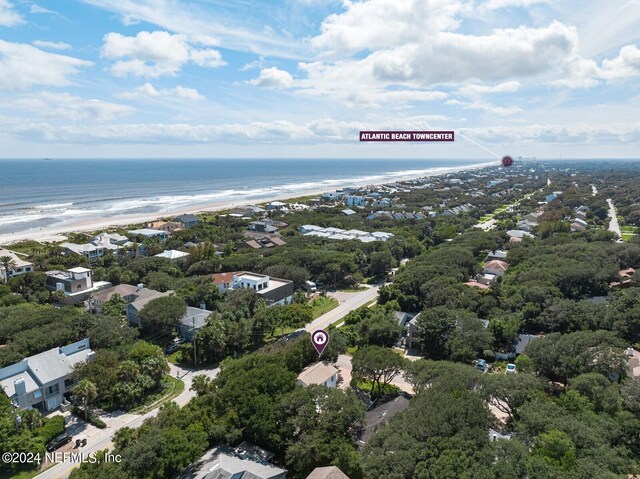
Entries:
{"x":378,"y":365}
{"x":86,"y":392}
{"x":162,"y":315}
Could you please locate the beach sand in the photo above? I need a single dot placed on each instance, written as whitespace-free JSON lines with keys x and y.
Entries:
{"x":56,"y":234}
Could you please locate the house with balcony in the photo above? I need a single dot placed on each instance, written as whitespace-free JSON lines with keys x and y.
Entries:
{"x":43,"y":380}
{"x":76,"y":283}
{"x":187,"y":221}
{"x":272,"y":290}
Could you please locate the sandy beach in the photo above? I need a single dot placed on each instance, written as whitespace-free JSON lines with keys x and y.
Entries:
{"x":57,"y":234}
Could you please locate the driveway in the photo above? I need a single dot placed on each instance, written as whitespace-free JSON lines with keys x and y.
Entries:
{"x":613,"y":224}
{"x":102,"y":438}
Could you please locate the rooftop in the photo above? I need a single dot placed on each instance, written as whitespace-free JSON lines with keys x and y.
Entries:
{"x":317,"y":373}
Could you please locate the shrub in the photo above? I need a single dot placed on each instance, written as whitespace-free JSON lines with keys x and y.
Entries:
{"x":51,"y":428}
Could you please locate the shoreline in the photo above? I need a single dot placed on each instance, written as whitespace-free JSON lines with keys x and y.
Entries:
{"x":57,"y":233}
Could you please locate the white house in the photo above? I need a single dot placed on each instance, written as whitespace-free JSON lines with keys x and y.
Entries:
{"x":172,"y":254}
{"x":319,"y":373}
{"x":42,"y":380}
{"x":19,"y":266}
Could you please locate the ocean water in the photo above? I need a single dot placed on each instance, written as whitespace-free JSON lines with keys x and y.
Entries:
{"x":38,"y":194}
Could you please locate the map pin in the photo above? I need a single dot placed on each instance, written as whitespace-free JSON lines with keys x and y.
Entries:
{"x":319,"y":339}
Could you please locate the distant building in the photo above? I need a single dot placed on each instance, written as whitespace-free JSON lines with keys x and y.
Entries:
{"x":168,"y":226}
{"x":263,"y":226}
{"x":41,"y":381}
{"x":19,"y":266}
{"x":187,"y":221}
{"x":497,"y":254}
{"x":340,"y":234}
{"x":98,"y":246}
{"x":148,"y":233}
{"x":126,"y":291}
{"x":76,"y":284}
{"x":356,"y":201}
{"x":496,"y":267}
{"x":248,"y":210}
{"x":172,"y":254}
{"x":276,"y":205}
{"x":319,"y":373}
{"x":348,"y":212}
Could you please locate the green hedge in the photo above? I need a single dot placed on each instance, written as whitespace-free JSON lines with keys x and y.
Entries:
{"x":93,"y":420}
{"x":52,"y":428}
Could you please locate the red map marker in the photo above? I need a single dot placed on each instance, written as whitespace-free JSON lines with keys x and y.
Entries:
{"x":507,"y":161}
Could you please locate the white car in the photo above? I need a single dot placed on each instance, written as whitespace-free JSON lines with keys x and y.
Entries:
{"x":511,"y":369}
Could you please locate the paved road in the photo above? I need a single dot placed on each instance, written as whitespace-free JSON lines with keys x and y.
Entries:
{"x":103,"y":440}
{"x":613,"y":224}
{"x":354,"y":302}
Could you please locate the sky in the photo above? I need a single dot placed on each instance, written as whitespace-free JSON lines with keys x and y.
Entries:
{"x":301,"y":78}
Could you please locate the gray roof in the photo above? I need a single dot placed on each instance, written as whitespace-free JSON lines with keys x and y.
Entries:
{"x":221,"y":463}
{"x":188,"y":218}
{"x":329,"y":472}
{"x":145,"y":295}
{"x":195,"y":317}
{"x":45,"y":367}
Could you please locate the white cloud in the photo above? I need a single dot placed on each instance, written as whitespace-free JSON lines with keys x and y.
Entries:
{"x":154,"y":54}
{"x":498,"y":4}
{"x":66,"y":106}
{"x":22,"y":66}
{"x":149,"y":91}
{"x":323,"y":131}
{"x":273,"y":78}
{"x":485,"y":106}
{"x":37,"y":9}
{"x":625,"y":65}
{"x":8,"y":16}
{"x":504,"y":87}
{"x":52,"y":45}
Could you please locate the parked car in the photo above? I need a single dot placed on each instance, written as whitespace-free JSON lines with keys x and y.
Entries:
{"x":481,"y":364}
{"x":511,"y":369}
{"x":174,"y":345}
{"x":58,"y":442}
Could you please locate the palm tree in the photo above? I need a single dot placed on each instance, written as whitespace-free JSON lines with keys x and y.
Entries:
{"x":86,"y":391}
{"x":8,"y":264}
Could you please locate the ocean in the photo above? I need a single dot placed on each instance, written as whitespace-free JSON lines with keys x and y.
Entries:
{"x":39,"y":194}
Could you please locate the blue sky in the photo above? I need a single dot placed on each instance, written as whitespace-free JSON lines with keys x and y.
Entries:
{"x":300,"y":78}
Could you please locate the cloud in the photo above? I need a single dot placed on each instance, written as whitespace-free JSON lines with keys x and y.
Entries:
{"x":66,"y":106}
{"x":37,"y":9}
{"x":155,"y":54}
{"x":323,"y":131}
{"x":149,"y":91}
{"x":504,"y":87}
{"x":586,"y":73}
{"x":52,"y":45}
{"x":9,"y":17}
{"x":485,"y":106}
{"x":200,"y":21}
{"x":498,"y":4}
{"x":273,"y":78}
{"x":23,"y":66}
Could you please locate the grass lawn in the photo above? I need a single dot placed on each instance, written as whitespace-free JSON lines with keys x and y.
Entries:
{"x":322,"y":305}
{"x":628,"y":229}
{"x":26,"y":247}
{"x":171,"y":388}
{"x":388,"y":389}
{"x":28,"y":474}
{"x":627,"y":236}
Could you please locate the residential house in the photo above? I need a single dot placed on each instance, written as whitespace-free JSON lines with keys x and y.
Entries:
{"x":143,"y":297}
{"x":340,"y":234}
{"x":356,"y":201}
{"x":272,"y":290}
{"x":126,"y":291}
{"x":328,"y":472}
{"x":276,"y":205}
{"x":264,"y":226}
{"x":625,"y":279}
{"x":98,"y":246}
{"x":187,"y":220}
{"x":497,"y":254}
{"x":267,"y":241}
{"x":248,"y":211}
{"x":18,"y":266}
{"x":225,"y":463}
{"x":168,"y":226}
{"x":518,"y":346}
{"x":76,"y":283}
{"x":332,"y":196}
{"x":319,"y":373}
{"x":477,"y":284}
{"x":550,"y":197}
{"x":172,"y":254}
{"x":496,"y":267}
{"x":41,"y":381}
{"x":380,"y":415}
{"x":348,"y":212}
{"x":192,"y":321}
{"x":518,"y":235}
{"x":148,"y":233}
{"x":412,"y":332}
